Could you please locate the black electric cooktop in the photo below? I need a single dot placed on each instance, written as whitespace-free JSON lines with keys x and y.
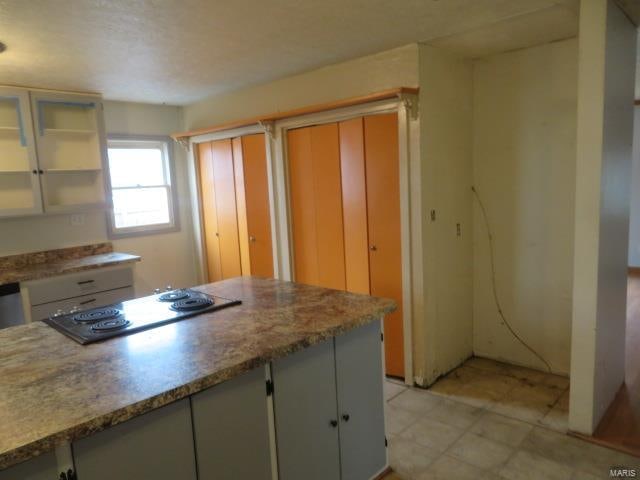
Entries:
{"x":101,"y":323}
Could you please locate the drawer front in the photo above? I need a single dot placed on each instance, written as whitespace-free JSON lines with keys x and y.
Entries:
{"x":77,"y":284}
{"x":84,"y":302}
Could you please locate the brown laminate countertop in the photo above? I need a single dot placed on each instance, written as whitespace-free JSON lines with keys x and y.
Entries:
{"x":53,"y":390}
{"x":50,"y":263}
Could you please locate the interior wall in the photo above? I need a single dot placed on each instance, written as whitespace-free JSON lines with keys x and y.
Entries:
{"x":524,"y":147}
{"x":634,"y":212}
{"x":607,"y":48}
{"x":388,"y":69}
{"x":167,"y":258}
{"x":445,"y":146}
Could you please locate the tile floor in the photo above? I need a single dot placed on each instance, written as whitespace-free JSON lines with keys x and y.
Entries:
{"x":489,"y":420}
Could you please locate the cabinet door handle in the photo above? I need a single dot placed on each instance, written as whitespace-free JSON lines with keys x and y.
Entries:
{"x":346,"y":417}
{"x":34,"y":171}
{"x":333,"y":423}
{"x":85,"y":282}
{"x":373,"y":248}
{"x":91,"y":300}
{"x":252,"y":239}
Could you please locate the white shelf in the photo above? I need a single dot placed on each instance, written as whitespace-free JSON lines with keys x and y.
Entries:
{"x":69,"y":131}
{"x":13,"y":172}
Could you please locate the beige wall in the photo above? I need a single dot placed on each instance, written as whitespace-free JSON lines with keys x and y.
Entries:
{"x":524,"y":170}
{"x":607,"y":47}
{"x":167,"y":258}
{"x":445,"y":146}
{"x":392,"y":68}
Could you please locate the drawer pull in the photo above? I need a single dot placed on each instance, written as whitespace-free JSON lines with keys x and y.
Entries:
{"x":85,"y":282}
{"x":91,"y":300}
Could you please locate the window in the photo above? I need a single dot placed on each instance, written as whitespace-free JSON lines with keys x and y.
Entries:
{"x":141,"y":179}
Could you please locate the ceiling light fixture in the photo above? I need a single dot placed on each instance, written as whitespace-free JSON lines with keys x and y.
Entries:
{"x":3,"y":47}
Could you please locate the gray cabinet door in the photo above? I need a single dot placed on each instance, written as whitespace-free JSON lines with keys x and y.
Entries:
{"x":231,"y":429}
{"x":305,"y":406}
{"x":360,"y":402}
{"x":43,"y":467}
{"x":157,"y":445}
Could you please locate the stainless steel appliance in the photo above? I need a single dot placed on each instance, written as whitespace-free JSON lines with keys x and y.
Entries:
{"x":11,"y":312}
{"x":131,"y":316}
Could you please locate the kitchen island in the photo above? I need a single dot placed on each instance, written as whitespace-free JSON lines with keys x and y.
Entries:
{"x":314,"y":353}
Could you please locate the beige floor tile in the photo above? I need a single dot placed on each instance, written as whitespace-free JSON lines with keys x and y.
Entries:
{"x":502,"y":429}
{"x":455,"y":413}
{"x":480,"y":451}
{"x":447,"y":468}
{"x":408,"y":459}
{"x":575,"y":453}
{"x":391,"y":389}
{"x":433,"y":434}
{"x":397,"y":419}
{"x":416,"y":401}
{"x":524,"y":465}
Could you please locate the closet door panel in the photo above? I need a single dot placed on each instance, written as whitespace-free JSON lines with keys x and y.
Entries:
{"x":257,"y":204}
{"x":224,"y":184}
{"x":209,"y":214}
{"x":325,"y":147}
{"x":302,"y":206}
{"x":354,"y":206}
{"x":243,"y":236}
{"x":383,"y":206}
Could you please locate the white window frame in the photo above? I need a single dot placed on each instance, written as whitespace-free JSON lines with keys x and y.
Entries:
{"x":145,"y":141}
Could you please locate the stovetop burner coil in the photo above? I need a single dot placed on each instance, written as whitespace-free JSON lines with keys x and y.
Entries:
{"x":110,"y":325}
{"x":174,"y":296}
{"x":191,"y":304}
{"x":92,"y":316}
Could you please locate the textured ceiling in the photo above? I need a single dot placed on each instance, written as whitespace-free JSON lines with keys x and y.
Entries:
{"x":177,"y":52}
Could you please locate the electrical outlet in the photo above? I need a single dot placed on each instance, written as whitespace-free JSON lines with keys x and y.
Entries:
{"x":77,"y":220}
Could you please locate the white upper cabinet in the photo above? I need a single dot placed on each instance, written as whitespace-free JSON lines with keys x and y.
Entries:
{"x":52,"y":152}
{"x":19,"y":178}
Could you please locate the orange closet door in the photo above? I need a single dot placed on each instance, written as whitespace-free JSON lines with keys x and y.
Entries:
{"x":209,"y":214}
{"x":383,"y":207}
{"x":302,"y":205}
{"x":256,"y":190}
{"x":316,"y":205}
{"x":225,"y":193}
{"x":354,"y":205}
{"x":241,"y":206}
{"x":325,"y":149}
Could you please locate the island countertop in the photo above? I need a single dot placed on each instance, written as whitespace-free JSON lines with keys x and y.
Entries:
{"x":53,"y":390}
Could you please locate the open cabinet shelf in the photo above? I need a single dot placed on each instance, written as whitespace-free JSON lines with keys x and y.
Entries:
{"x":52,"y":148}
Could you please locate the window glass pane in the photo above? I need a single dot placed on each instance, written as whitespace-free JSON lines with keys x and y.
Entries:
{"x":140,"y":206}
{"x":131,"y":167}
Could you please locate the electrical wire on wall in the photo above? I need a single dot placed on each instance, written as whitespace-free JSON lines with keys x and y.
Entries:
{"x":493,"y":282}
